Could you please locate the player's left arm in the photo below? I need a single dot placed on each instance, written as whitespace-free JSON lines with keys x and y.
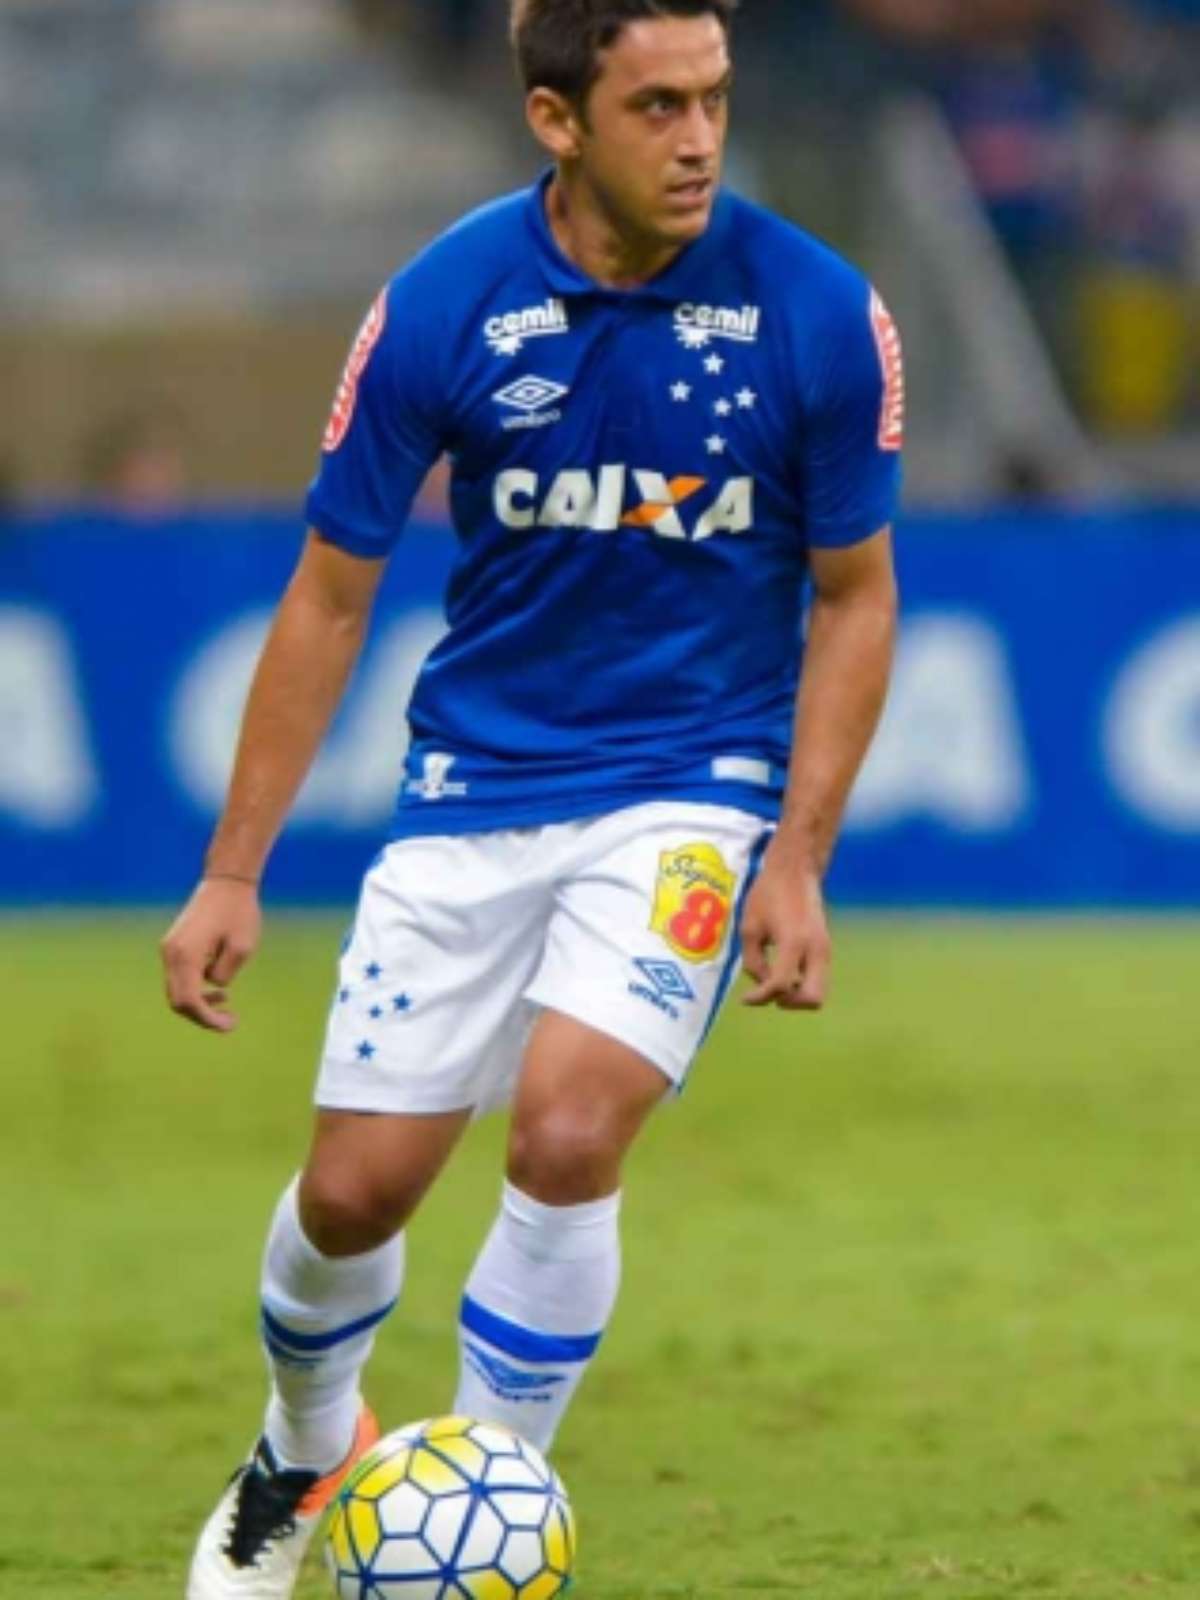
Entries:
{"x":847,"y":663}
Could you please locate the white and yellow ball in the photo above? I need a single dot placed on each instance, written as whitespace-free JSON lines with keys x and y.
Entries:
{"x":451,"y":1510}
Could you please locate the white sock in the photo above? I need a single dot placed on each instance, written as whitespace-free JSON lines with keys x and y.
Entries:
{"x":536,"y":1305}
{"x":319,"y":1316}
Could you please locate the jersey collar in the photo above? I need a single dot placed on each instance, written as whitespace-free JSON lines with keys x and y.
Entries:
{"x":673,"y":283}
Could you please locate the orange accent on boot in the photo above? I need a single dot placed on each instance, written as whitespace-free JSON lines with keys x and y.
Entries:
{"x":366,"y":1434}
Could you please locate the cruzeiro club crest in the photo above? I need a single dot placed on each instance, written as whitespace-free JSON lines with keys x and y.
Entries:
{"x":693,"y":899}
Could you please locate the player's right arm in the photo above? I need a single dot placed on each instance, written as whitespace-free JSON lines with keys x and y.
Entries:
{"x":386,"y":430}
{"x":310,"y":652}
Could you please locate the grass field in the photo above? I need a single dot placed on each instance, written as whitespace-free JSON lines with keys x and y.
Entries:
{"x":912,"y":1292}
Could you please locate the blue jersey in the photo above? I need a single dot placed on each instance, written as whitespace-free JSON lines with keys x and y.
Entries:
{"x":638,"y":478}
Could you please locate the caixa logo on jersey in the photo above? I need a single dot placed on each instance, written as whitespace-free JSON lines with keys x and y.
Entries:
{"x":624,"y":497}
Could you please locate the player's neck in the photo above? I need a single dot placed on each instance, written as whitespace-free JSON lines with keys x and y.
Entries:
{"x":590,"y":237}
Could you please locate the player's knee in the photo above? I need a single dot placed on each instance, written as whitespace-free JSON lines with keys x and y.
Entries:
{"x":565,"y":1155}
{"x":343,"y":1213}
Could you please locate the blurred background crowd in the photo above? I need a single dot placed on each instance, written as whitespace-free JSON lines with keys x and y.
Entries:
{"x":198,"y":196}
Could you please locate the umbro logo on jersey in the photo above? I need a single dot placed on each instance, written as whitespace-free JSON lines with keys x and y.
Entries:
{"x":621,"y":497}
{"x":507,"y":333}
{"x":530,"y":394}
{"x":697,"y":326}
{"x":530,"y":397}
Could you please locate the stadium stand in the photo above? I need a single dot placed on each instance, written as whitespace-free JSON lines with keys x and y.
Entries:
{"x":190,"y":177}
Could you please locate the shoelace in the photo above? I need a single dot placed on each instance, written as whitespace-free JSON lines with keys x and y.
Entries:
{"x":265,"y":1510}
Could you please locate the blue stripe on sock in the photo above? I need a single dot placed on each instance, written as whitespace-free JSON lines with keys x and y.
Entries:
{"x":287,"y":1357}
{"x":287,"y":1337}
{"x":735,"y":942}
{"x":524,"y":1343}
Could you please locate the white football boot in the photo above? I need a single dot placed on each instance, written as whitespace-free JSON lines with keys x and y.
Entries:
{"x":253,"y":1545}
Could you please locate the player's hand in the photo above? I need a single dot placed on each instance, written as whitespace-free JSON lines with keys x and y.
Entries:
{"x":206,"y":947}
{"x":786,"y":946}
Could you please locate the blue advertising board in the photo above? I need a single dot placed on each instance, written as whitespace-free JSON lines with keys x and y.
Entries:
{"x":1041,"y":746}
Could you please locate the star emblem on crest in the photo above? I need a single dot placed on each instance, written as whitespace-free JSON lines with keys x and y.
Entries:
{"x":747,"y":399}
{"x":715,"y":445}
{"x":681,"y":391}
{"x":722,"y":408}
{"x":714,"y":364}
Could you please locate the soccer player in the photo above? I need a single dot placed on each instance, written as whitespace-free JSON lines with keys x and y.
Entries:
{"x":672,"y":417}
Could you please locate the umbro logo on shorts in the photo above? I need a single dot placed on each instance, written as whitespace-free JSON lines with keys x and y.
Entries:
{"x":529,"y":397}
{"x":667,"y":978}
{"x":666,"y":983}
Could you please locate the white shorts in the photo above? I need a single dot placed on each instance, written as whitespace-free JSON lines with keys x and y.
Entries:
{"x":627,"y":922}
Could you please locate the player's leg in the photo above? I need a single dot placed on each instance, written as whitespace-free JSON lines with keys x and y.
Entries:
{"x":433,"y":973}
{"x":639,"y":956}
{"x":332,"y":1271}
{"x":544,"y":1286}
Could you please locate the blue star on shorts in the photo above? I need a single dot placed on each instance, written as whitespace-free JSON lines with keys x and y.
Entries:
{"x":373,"y":971}
{"x":401,"y":1002}
{"x":366,"y":1050}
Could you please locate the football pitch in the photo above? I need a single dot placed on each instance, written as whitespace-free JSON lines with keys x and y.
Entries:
{"x":912,"y":1289}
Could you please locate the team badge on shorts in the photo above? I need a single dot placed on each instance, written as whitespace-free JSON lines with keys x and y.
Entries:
{"x":693,"y":899}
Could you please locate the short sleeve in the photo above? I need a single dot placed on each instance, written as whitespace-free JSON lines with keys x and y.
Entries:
{"x":853,"y":425}
{"x":384,"y":432}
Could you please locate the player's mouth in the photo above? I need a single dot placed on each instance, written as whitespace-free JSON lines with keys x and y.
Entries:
{"x":692,"y":195}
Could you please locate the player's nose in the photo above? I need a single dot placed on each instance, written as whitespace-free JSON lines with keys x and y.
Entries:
{"x":699,"y":140}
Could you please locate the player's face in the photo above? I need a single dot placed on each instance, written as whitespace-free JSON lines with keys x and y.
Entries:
{"x":657,"y":118}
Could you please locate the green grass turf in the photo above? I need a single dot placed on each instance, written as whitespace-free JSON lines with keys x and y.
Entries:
{"x":912,"y":1291}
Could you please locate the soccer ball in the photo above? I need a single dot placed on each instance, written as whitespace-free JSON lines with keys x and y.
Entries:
{"x":451,"y":1510}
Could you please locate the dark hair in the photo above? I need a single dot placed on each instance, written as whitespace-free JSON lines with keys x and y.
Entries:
{"x":558,"y":42}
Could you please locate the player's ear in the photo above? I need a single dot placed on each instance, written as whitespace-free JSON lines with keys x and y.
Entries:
{"x":555,"y":123}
